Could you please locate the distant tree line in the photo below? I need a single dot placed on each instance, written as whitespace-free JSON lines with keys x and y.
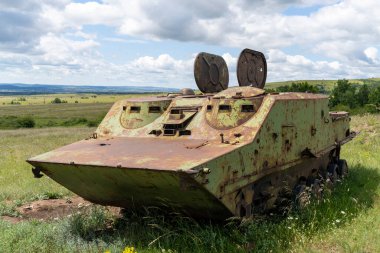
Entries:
{"x":352,"y":97}
{"x":355,"y":98}
{"x":299,"y":87}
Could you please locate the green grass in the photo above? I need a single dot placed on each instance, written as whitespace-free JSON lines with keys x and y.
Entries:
{"x":347,"y":221}
{"x":54,"y":114}
{"x":16,"y":178}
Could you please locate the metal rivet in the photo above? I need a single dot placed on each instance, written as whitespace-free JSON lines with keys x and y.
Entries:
{"x":206,"y":170}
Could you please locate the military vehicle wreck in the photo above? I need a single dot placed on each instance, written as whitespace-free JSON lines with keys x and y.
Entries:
{"x":225,"y":152}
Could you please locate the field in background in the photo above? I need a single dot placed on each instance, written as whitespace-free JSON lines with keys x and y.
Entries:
{"x":54,"y":114}
{"x":347,"y":221}
{"x":89,"y":111}
{"x":69,"y":98}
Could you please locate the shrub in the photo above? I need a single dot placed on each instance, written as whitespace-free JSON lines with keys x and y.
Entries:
{"x":56,"y":101}
{"x":340,"y":107}
{"x":26,"y":122}
{"x":371,"y":108}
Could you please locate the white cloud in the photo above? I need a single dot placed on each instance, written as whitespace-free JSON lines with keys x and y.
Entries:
{"x":92,"y":13}
{"x":60,"y":51}
{"x":230,"y":61}
{"x":371,"y":53}
{"x":240,"y":23}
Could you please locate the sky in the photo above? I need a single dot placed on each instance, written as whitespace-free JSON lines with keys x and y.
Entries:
{"x":154,"y":43}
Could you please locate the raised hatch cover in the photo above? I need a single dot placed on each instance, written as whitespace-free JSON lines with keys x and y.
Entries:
{"x":251,"y":68}
{"x":211,"y":73}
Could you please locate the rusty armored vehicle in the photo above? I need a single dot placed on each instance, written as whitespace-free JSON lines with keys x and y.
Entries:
{"x":219,"y":153}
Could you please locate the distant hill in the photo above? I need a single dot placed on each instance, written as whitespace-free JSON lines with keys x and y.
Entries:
{"x":34,"y":89}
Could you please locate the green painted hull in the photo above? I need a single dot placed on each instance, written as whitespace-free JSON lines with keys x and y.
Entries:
{"x":136,"y":188}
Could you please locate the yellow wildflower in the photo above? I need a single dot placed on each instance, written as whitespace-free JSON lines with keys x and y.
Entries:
{"x":129,"y":250}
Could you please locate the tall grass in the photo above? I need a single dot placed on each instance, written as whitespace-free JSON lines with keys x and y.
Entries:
{"x":16,"y":178}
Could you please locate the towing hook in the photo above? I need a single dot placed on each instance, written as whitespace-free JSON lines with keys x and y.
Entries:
{"x":37,"y":172}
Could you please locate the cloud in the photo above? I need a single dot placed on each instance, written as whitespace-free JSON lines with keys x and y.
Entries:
{"x":92,"y":13}
{"x":45,"y":40}
{"x":371,"y":54}
{"x":292,"y":67}
{"x":240,"y":23}
{"x":24,"y":22}
{"x":61,"y":51}
{"x":120,"y":40}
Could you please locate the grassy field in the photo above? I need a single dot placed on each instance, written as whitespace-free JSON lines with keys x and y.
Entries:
{"x":89,"y":110}
{"x":54,"y":114}
{"x":69,"y":98}
{"x":347,"y":221}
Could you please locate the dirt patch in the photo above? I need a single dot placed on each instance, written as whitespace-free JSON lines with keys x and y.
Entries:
{"x":50,"y":209}
{"x":53,"y":209}
{"x":10,"y":219}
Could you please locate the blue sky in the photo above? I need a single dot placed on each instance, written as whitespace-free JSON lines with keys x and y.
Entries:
{"x":301,"y":10}
{"x":140,"y":42}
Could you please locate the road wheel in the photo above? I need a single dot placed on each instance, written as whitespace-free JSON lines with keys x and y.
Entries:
{"x":302,"y":196}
